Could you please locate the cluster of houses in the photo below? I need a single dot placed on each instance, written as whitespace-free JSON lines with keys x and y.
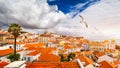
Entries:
{"x":43,"y":50}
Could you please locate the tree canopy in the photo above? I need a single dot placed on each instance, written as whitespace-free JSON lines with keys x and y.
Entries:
{"x":11,"y":57}
{"x":14,"y":29}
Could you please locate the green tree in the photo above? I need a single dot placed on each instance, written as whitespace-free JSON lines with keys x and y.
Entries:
{"x":63,"y":59}
{"x":11,"y":57}
{"x":70,"y":56}
{"x":15,"y":30}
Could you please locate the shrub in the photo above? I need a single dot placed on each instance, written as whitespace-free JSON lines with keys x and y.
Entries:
{"x":11,"y":57}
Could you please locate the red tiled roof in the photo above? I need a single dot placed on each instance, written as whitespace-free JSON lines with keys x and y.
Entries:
{"x":19,"y":50}
{"x":100,"y":54}
{"x":2,"y":64}
{"x":85,"y":59}
{"x":12,"y":42}
{"x":68,"y":46}
{"x":95,"y":52}
{"x":107,"y":50}
{"x":33,"y":53}
{"x":5,"y":52}
{"x":37,"y":45}
{"x":49,"y":57}
{"x":52,"y":65}
{"x":69,"y":65}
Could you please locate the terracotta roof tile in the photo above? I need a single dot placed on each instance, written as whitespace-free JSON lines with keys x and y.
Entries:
{"x":68,"y":46}
{"x":33,"y":53}
{"x":19,"y":50}
{"x":36,"y":45}
{"x":5,"y":52}
{"x":49,"y":57}
{"x":69,"y":65}
{"x":52,"y":65}
{"x":2,"y":64}
{"x":100,"y":54}
{"x":95,"y":52}
{"x":85,"y":59}
{"x":87,"y":52}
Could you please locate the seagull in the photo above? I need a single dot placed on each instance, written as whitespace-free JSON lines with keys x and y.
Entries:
{"x":83,"y":21}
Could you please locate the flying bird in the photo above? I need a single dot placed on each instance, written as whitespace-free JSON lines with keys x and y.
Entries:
{"x":83,"y":21}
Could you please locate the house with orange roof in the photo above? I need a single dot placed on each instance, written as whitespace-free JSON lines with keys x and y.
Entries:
{"x":29,"y":55}
{"x":34,"y":55}
{"x":85,"y":60}
{"x":105,"y":64}
{"x":96,"y":55}
{"x":34,"y":51}
{"x":89,"y":54}
{"x":31,"y":52}
{"x":70,"y":48}
{"x":48,"y":52}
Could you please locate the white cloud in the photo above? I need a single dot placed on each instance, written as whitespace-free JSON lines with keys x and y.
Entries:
{"x":30,"y":13}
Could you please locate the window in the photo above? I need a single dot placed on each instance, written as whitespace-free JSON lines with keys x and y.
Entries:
{"x":28,"y":59}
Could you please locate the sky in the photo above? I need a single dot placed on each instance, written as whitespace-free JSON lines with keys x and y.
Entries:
{"x":62,"y":17}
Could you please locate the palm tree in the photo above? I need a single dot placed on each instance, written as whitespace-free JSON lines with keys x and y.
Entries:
{"x":15,"y":30}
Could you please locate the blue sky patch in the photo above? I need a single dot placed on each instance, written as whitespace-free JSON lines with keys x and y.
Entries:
{"x":67,"y":5}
